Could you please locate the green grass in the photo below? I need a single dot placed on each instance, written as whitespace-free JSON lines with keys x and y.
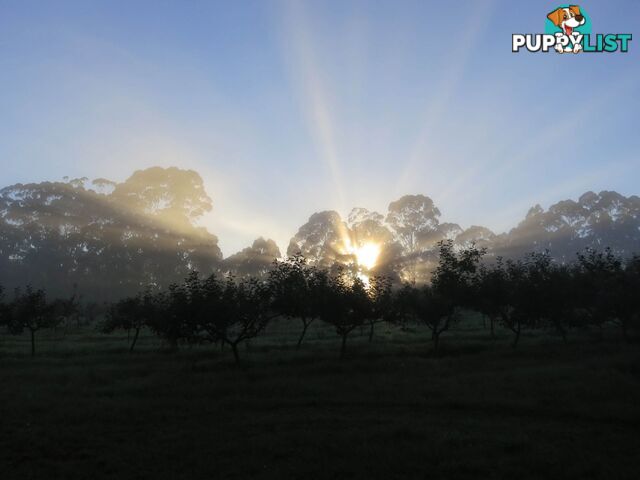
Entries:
{"x":85,"y":408}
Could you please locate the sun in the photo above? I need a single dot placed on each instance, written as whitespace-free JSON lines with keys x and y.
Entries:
{"x":367,"y":255}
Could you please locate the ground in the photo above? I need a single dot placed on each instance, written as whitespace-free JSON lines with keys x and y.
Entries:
{"x":85,"y":408}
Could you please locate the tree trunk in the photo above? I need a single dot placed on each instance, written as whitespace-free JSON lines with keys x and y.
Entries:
{"x":33,"y":343}
{"x":517,"y":337}
{"x":343,"y":348}
{"x":305,"y":325}
{"x":371,"y":331}
{"x":492,"y":325}
{"x":436,"y":340}
{"x":135,"y":339}
{"x":236,"y":356}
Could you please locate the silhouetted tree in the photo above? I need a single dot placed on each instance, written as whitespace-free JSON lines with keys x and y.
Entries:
{"x":178,"y":311}
{"x":254,"y":261}
{"x":414,"y":220}
{"x":568,"y":226}
{"x":31,"y":311}
{"x":132,"y":313}
{"x":321,"y":240}
{"x":629,"y":310}
{"x":535,"y":291}
{"x":296,"y":288}
{"x":549,"y":290}
{"x":110,"y":241}
{"x":456,"y":271}
{"x":382,"y":303}
{"x":234,"y":312}
{"x":596,"y":275}
{"x":453,"y":286}
{"x":428,"y":307}
{"x":345,"y":304}
{"x":515,"y":307}
{"x":498,"y":294}
{"x":625,"y":303}
{"x":490,"y":292}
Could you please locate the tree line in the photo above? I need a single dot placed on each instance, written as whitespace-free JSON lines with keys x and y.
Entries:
{"x":109,"y":238}
{"x":114,"y":238}
{"x":532,"y":293}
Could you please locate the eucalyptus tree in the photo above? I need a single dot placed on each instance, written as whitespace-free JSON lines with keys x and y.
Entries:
{"x":111,"y":241}
{"x":322,"y":240}
{"x":414,"y":221}
{"x":595,"y":220}
{"x":255,"y":260}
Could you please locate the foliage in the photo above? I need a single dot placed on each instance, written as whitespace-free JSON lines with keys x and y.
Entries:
{"x":111,"y":241}
{"x":235,"y":311}
{"x":437,"y":306}
{"x":31,"y":311}
{"x":132,"y":313}
{"x":345,"y":304}
{"x":296,"y":287}
{"x":533,"y":293}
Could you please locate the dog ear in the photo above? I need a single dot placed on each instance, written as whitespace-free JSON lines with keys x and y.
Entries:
{"x":575,"y":9}
{"x":556,"y":17}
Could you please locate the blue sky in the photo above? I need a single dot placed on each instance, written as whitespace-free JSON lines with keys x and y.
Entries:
{"x":287,"y":108}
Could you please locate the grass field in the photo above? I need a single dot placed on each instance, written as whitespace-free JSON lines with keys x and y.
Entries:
{"x":84,"y":408}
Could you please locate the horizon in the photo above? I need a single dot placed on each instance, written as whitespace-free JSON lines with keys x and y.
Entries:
{"x":286,"y":109}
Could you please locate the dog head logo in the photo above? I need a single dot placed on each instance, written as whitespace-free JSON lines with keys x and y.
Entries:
{"x":567,"y":19}
{"x":568,"y":30}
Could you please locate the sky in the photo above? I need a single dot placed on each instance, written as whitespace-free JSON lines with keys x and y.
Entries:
{"x":287,"y":108}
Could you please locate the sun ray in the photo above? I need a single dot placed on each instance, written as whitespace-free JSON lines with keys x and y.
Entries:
{"x":318,"y":111}
{"x":449,"y":84}
{"x":518,"y":154}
